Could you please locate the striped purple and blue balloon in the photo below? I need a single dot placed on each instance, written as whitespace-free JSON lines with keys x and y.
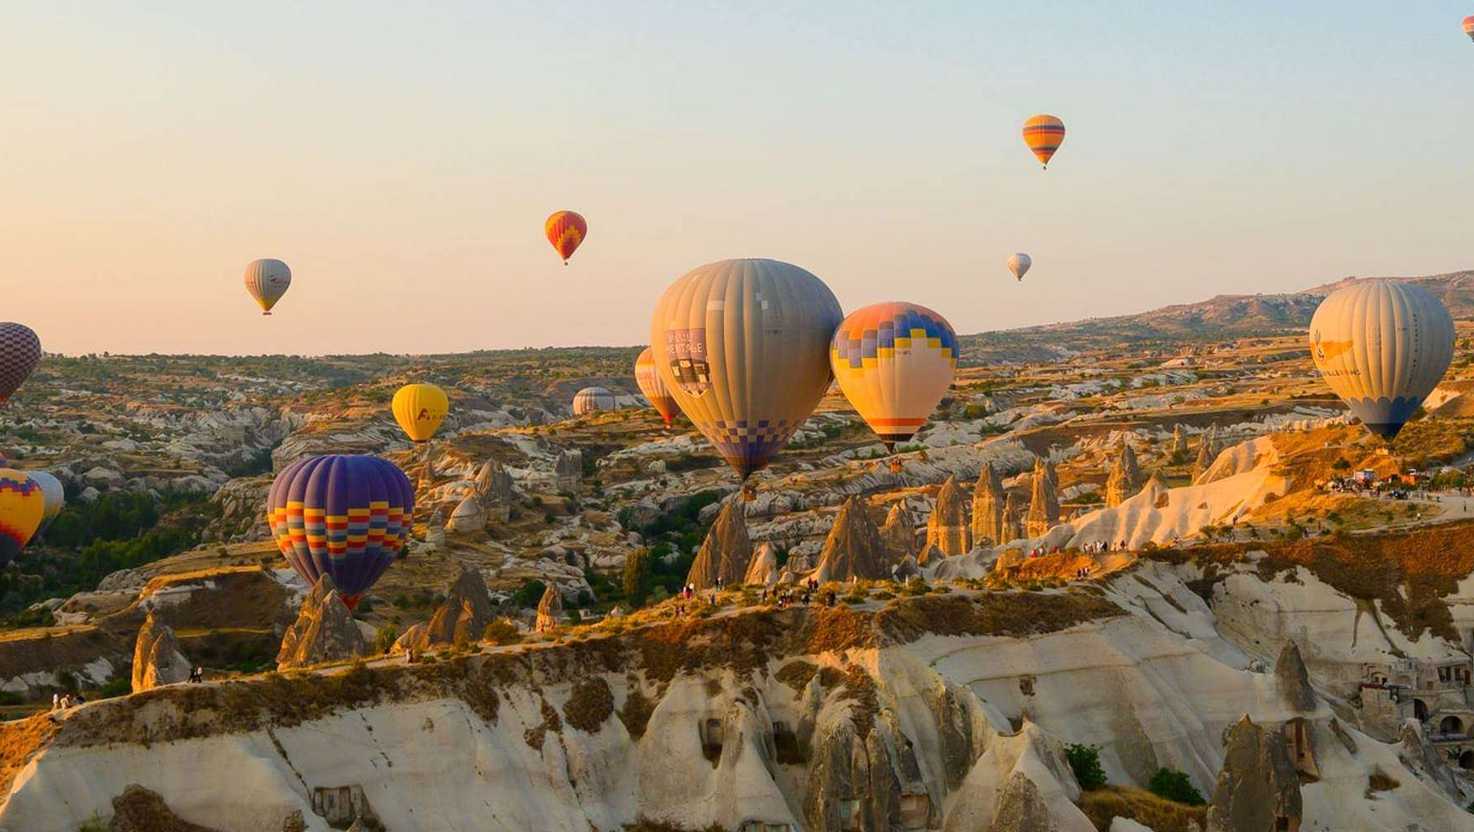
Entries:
{"x":342,"y":516}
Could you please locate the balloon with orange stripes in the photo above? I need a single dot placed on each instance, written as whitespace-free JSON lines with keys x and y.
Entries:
{"x":1044,"y":134}
{"x":1469,"y":26}
{"x":566,"y":230}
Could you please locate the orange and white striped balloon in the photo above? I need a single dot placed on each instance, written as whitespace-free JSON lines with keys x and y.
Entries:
{"x":1469,"y":26}
{"x":1044,"y":134}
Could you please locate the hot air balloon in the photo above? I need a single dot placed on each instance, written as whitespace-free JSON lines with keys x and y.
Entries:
{"x":1382,"y":347}
{"x":419,"y":409}
{"x":267,"y":280}
{"x":22,"y":507}
{"x":566,"y":230}
{"x":342,"y":516}
{"x":743,"y":346}
{"x":20,"y":350}
{"x":1019,"y":264}
{"x":55,"y":494}
{"x":1469,"y":26}
{"x":591,"y":399}
{"x":1044,"y":134}
{"x":648,"y":378}
{"x":894,"y":362}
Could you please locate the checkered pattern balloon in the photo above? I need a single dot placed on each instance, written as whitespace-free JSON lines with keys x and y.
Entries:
{"x":20,"y":349}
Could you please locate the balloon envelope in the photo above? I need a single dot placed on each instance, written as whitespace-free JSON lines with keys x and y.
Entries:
{"x":55,"y":493}
{"x":651,"y":384}
{"x":566,"y":230}
{"x":1019,"y":264}
{"x":1044,"y":134}
{"x":1469,"y":26}
{"x":267,"y":280}
{"x":342,"y":516}
{"x":20,"y":351}
{"x":22,"y":507}
{"x":894,"y":362}
{"x":590,"y":399}
{"x":1382,"y":347}
{"x":743,"y":347}
{"x":419,"y":409}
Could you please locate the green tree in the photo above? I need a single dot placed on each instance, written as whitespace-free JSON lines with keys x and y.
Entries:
{"x":638,"y":577}
{"x":1085,"y":762}
{"x":1174,"y":785}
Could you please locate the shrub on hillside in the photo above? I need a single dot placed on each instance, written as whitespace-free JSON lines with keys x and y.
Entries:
{"x":1085,"y":762}
{"x":1171,"y":784}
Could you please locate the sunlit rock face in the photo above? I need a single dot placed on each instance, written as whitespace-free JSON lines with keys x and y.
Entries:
{"x":947,"y":528}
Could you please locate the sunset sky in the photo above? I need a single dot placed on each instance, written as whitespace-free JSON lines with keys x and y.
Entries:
{"x":402,"y":161}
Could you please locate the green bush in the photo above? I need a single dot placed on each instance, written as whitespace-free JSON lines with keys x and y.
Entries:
{"x":387,"y":635}
{"x":529,"y":593}
{"x":116,"y":686}
{"x":638,"y":577}
{"x":1085,"y":762}
{"x":1174,"y":785}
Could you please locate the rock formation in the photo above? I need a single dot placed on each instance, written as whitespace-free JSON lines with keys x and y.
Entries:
{"x":1177,"y":448}
{"x":898,"y":533}
{"x":323,"y":632}
{"x":762,"y":570}
{"x":1044,"y":502}
{"x":906,"y":569}
{"x":495,"y":488}
{"x":987,"y":507}
{"x":549,"y":611}
{"x":1418,"y":754}
{"x":464,"y":615}
{"x":156,"y":657}
{"x":568,"y":471}
{"x":1013,"y":518}
{"x":1258,"y":787}
{"x":1294,"y":679}
{"x":435,"y":531}
{"x":1124,"y":479}
{"x":469,"y":516}
{"x":947,"y":527}
{"x":142,"y":810}
{"x":854,"y":548}
{"x":930,"y":555}
{"x":1207,"y":452}
{"x":726,"y":551}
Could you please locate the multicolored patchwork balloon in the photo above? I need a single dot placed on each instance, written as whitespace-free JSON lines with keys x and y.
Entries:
{"x":22,"y":508}
{"x":648,"y":378}
{"x":267,"y":280}
{"x":743,"y":347}
{"x":20,"y":351}
{"x":419,"y":409}
{"x":1044,"y":134}
{"x":894,"y":362}
{"x":591,"y":399}
{"x":1382,"y":346}
{"x":566,"y":230}
{"x":342,"y":516}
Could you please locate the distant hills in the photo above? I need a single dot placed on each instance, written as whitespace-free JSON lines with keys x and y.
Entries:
{"x":1216,"y":319}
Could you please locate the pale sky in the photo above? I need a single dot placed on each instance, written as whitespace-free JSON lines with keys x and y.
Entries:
{"x":402,"y":161}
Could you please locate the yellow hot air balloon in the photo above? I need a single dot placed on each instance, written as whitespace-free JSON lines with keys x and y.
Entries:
{"x":743,"y":346}
{"x":894,"y":362}
{"x":648,"y":378}
{"x":267,"y":280}
{"x":22,"y":507}
{"x":1044,"y":134}
{"x":419,"y":409}
{"x":1382,"y":346}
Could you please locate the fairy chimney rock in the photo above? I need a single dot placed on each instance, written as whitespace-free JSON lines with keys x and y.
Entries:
{"x":1258,"y":787}
{"x":549,"y":610}
{"x":762,"y":570}
{"x":987,"y":507}
{"x":469,"y":516}
{"x":495,"y":489}
{"x":854,"y":548}
{"x":156,"y":657}
{"x":324,"y":630}
{"x":1294,"y":679}
{"x":1044,"y":501}
{"x":898,"y":533}
{"x":727,"y":550}
{"x":464,"y":614}
{"x":568,"y":471}
{"x":947,"y":527}
{"x":1125,"y":477}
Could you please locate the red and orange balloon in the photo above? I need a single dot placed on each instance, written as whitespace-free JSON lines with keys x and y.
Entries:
{"x":1469,"y":26}
{"x":566,"y":231}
